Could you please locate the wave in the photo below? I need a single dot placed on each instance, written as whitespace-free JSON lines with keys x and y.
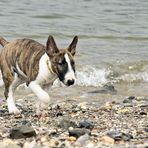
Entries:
{"x":125,"y":73}
{"x":90,"y":76}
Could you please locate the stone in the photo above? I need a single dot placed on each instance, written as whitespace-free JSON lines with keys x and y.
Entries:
{"x":71,"y":138}
{"x":23,"y":131}
{"x":23,"y":122}
{"x":143,"y":113}
{"x":108,"y":140}
{"x":146,"y":129}
{"x":65,"y":123}
{"x":110,"y":88}
{"x":129,"y":99}
{"x":77,"y":132}
{"x":53,"y":133}
{"x":108,"y":106}
{"x":82,"y":139}
{"x":105,"y":90}
{"x":86,"y":124}
{"x":117,"y":136}
{"x":123,"y":111}
{"x":82,"y":105}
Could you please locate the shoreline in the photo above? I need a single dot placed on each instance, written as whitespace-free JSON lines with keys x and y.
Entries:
{"x":66,"y":112}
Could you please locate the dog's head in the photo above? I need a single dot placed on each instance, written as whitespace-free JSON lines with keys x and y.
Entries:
{"x":62,"y":60}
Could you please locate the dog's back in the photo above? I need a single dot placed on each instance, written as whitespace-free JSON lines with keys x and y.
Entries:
{"x":22,"y":53}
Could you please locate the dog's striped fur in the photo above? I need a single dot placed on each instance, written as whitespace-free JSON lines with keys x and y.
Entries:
{"x":27,"y":61}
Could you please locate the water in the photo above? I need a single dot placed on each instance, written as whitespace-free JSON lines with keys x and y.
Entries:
{"x":113,"y":35}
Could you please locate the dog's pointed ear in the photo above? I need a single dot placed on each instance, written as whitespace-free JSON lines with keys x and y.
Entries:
{"x":51,"y":47}
{"x":72,"y":46}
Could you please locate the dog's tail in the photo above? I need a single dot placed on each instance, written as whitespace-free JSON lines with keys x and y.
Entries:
{"x":3,"y":42}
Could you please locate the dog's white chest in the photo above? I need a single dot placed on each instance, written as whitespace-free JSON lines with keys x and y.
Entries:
{"x":45,"y":75}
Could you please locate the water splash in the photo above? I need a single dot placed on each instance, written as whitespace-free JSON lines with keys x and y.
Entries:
{"x":90,"y":76}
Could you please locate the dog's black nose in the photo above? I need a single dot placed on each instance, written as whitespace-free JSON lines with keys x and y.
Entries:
{"x":70,"y":82}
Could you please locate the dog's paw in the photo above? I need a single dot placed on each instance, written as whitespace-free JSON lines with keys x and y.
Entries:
{"x":14,"y":110}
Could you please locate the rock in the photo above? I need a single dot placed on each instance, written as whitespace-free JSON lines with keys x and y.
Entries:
{"x":110,"y":88}
{"x":82,"y":105}
{"x":123,"y":111}
{"x":86,"y":124}
{"x":128,"y":105}
{"x":146,"y":129}
{"x":144,"y":105}
{"x":143,"y":113}
{"x":7,"y":143}
{"x":3,"y":112}
{"x":82,"y":139}
{"x":117,"y":136}
{"x":65,"y":123}
{"x":59,"y":114}
{"x":71,"y":138}
{"x":24,"y":122}
{"x":108,"y":106}
{"x":77,"y":132}
{"x":23,"y":131}
{"x":108,"y":140}
{"x":53,"y":133}
{"x":106,"y":89}
{"x":129,"y":99}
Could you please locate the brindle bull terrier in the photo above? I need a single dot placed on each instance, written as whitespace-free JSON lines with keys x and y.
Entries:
{"x":27,"y":61}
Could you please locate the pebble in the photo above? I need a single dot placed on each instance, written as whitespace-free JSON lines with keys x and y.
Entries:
{"x":108,"y":106}
{"x":77,"y":132}
{"x":77,"y":126}
{"x":146,"y":129}
{"x":117,"y":135}
{"x":108,"y":140}
{"x":86,"y":124}
{"x":53,"y":133}
{"x":65,"y":122}
{"x":83,"y":105}
{"x":22,"y":131}
{"x":143,"y":113}
{"x":82,"y":139}
{"x":123,"y":111}
{"x":71,"y":138}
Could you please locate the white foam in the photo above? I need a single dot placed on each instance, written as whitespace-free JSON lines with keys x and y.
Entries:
{"x":90,"y":76}
{"x":134,"y":77}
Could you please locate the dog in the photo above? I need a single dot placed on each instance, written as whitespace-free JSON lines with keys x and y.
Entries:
{"x":27,"y":61}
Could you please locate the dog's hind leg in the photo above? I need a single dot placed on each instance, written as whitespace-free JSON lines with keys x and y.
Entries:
{"x":10,"y":87}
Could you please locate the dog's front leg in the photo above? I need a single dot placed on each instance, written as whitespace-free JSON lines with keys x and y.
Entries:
{"x":43,"y":98}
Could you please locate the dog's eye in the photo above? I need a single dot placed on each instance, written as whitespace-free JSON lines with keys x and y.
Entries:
{"x":61,"y":62}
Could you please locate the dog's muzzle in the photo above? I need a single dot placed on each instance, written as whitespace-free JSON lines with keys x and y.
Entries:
{"x":70,"y":82}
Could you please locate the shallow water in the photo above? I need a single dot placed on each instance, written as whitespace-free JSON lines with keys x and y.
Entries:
{"x":113,"y":35}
